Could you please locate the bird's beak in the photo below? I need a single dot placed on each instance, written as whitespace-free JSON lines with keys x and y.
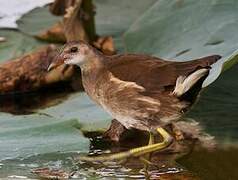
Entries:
{"x":57,"y":61}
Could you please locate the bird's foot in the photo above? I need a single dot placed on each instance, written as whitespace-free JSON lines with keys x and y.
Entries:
{"x":136,"y":152}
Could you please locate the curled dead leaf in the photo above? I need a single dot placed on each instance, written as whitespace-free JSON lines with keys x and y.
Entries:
{"x":73,"y":23}
{"x":58,"y":7}
{"x":53,"y":34}
{"x":29,"y":72}
{"x":77,"y":23}
{"x":105,"y":44}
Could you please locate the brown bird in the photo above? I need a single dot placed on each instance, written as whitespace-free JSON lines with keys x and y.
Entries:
{"x":140,"y":91}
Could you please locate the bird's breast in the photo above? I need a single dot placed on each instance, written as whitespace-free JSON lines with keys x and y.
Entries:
{"x":123,"y":101}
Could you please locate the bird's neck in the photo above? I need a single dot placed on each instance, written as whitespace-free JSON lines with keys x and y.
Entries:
{"x":92,"y":72}
{"x":94,"y":64}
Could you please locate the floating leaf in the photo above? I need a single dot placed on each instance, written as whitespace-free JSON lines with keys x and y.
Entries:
{"x":166,"y":31}
{"x":37,"y":21}
{"x":16,"y":45}
{"x":113,"y":18}
{"x":22,"y":136}
{"x":79,"y":106}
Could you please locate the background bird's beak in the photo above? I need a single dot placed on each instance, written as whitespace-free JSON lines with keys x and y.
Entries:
{"x":57,"y":61}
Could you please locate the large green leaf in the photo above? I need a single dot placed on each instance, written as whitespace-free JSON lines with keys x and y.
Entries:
{"x":114,"y":17}
{"x":185,"y":30}
{"x":16,"y":44}
{"x":21,"y":42}
{"x":51,"y":130}
{"x":37,"y":21}
{"x":79,"y":106}
{"x":22,"y":136}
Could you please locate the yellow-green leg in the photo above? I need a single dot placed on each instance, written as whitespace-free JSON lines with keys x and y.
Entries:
{"x":136,"y":152}
{"x":147,"y":157}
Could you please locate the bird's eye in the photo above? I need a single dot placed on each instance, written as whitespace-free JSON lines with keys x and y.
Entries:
{"x":73,"y":49}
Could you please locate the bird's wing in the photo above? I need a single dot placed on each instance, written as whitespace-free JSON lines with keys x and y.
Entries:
{"x":153,"y":73}
{"x":139,"y":107}
{"x":148,"y":83}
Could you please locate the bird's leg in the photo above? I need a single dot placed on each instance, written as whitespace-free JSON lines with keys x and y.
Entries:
{"x":147,"y":157}
{"x":136,"y":152}
{"x":151,"y":139}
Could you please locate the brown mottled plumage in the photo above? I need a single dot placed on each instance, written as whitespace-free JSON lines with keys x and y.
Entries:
{"x":140,"y":91}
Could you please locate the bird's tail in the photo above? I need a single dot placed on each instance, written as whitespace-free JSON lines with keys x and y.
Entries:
{"x":188,"y":67}
{"x":205,"y":61}
{"x":183,"y":83}
{"x":191,"y":72}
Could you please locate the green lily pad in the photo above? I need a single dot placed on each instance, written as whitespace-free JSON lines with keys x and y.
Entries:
{"x":22,"y":136}
{"x":16,"y":44}
{"x":78,"y":106}
{"x":37,"y":21}
{"x":185,"y":30}
{"x":53,"y":129}
{"x":113,"y":18}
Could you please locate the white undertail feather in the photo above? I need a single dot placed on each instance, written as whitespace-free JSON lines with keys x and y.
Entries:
{"x":183,"y":84}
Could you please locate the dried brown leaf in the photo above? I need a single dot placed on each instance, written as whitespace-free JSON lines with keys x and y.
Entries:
{"x":53,"y":34}
{"x":29,"y":72}
{"x":73,"y":25}
{"x":77,"y":23}
{"x":105,"y":44}
{"x":58,"y":7}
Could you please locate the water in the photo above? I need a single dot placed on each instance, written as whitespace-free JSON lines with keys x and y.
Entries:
{"x":219,"y":164}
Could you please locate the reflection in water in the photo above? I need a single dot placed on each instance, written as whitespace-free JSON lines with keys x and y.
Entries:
{"x":27,"y":103}
{"x":213,"y":165}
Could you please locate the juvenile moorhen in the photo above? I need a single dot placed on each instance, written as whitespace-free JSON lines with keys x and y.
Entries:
{"x":140,"y":91}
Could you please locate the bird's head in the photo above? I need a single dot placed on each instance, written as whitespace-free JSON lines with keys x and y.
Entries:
{"x":73,"y":53}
